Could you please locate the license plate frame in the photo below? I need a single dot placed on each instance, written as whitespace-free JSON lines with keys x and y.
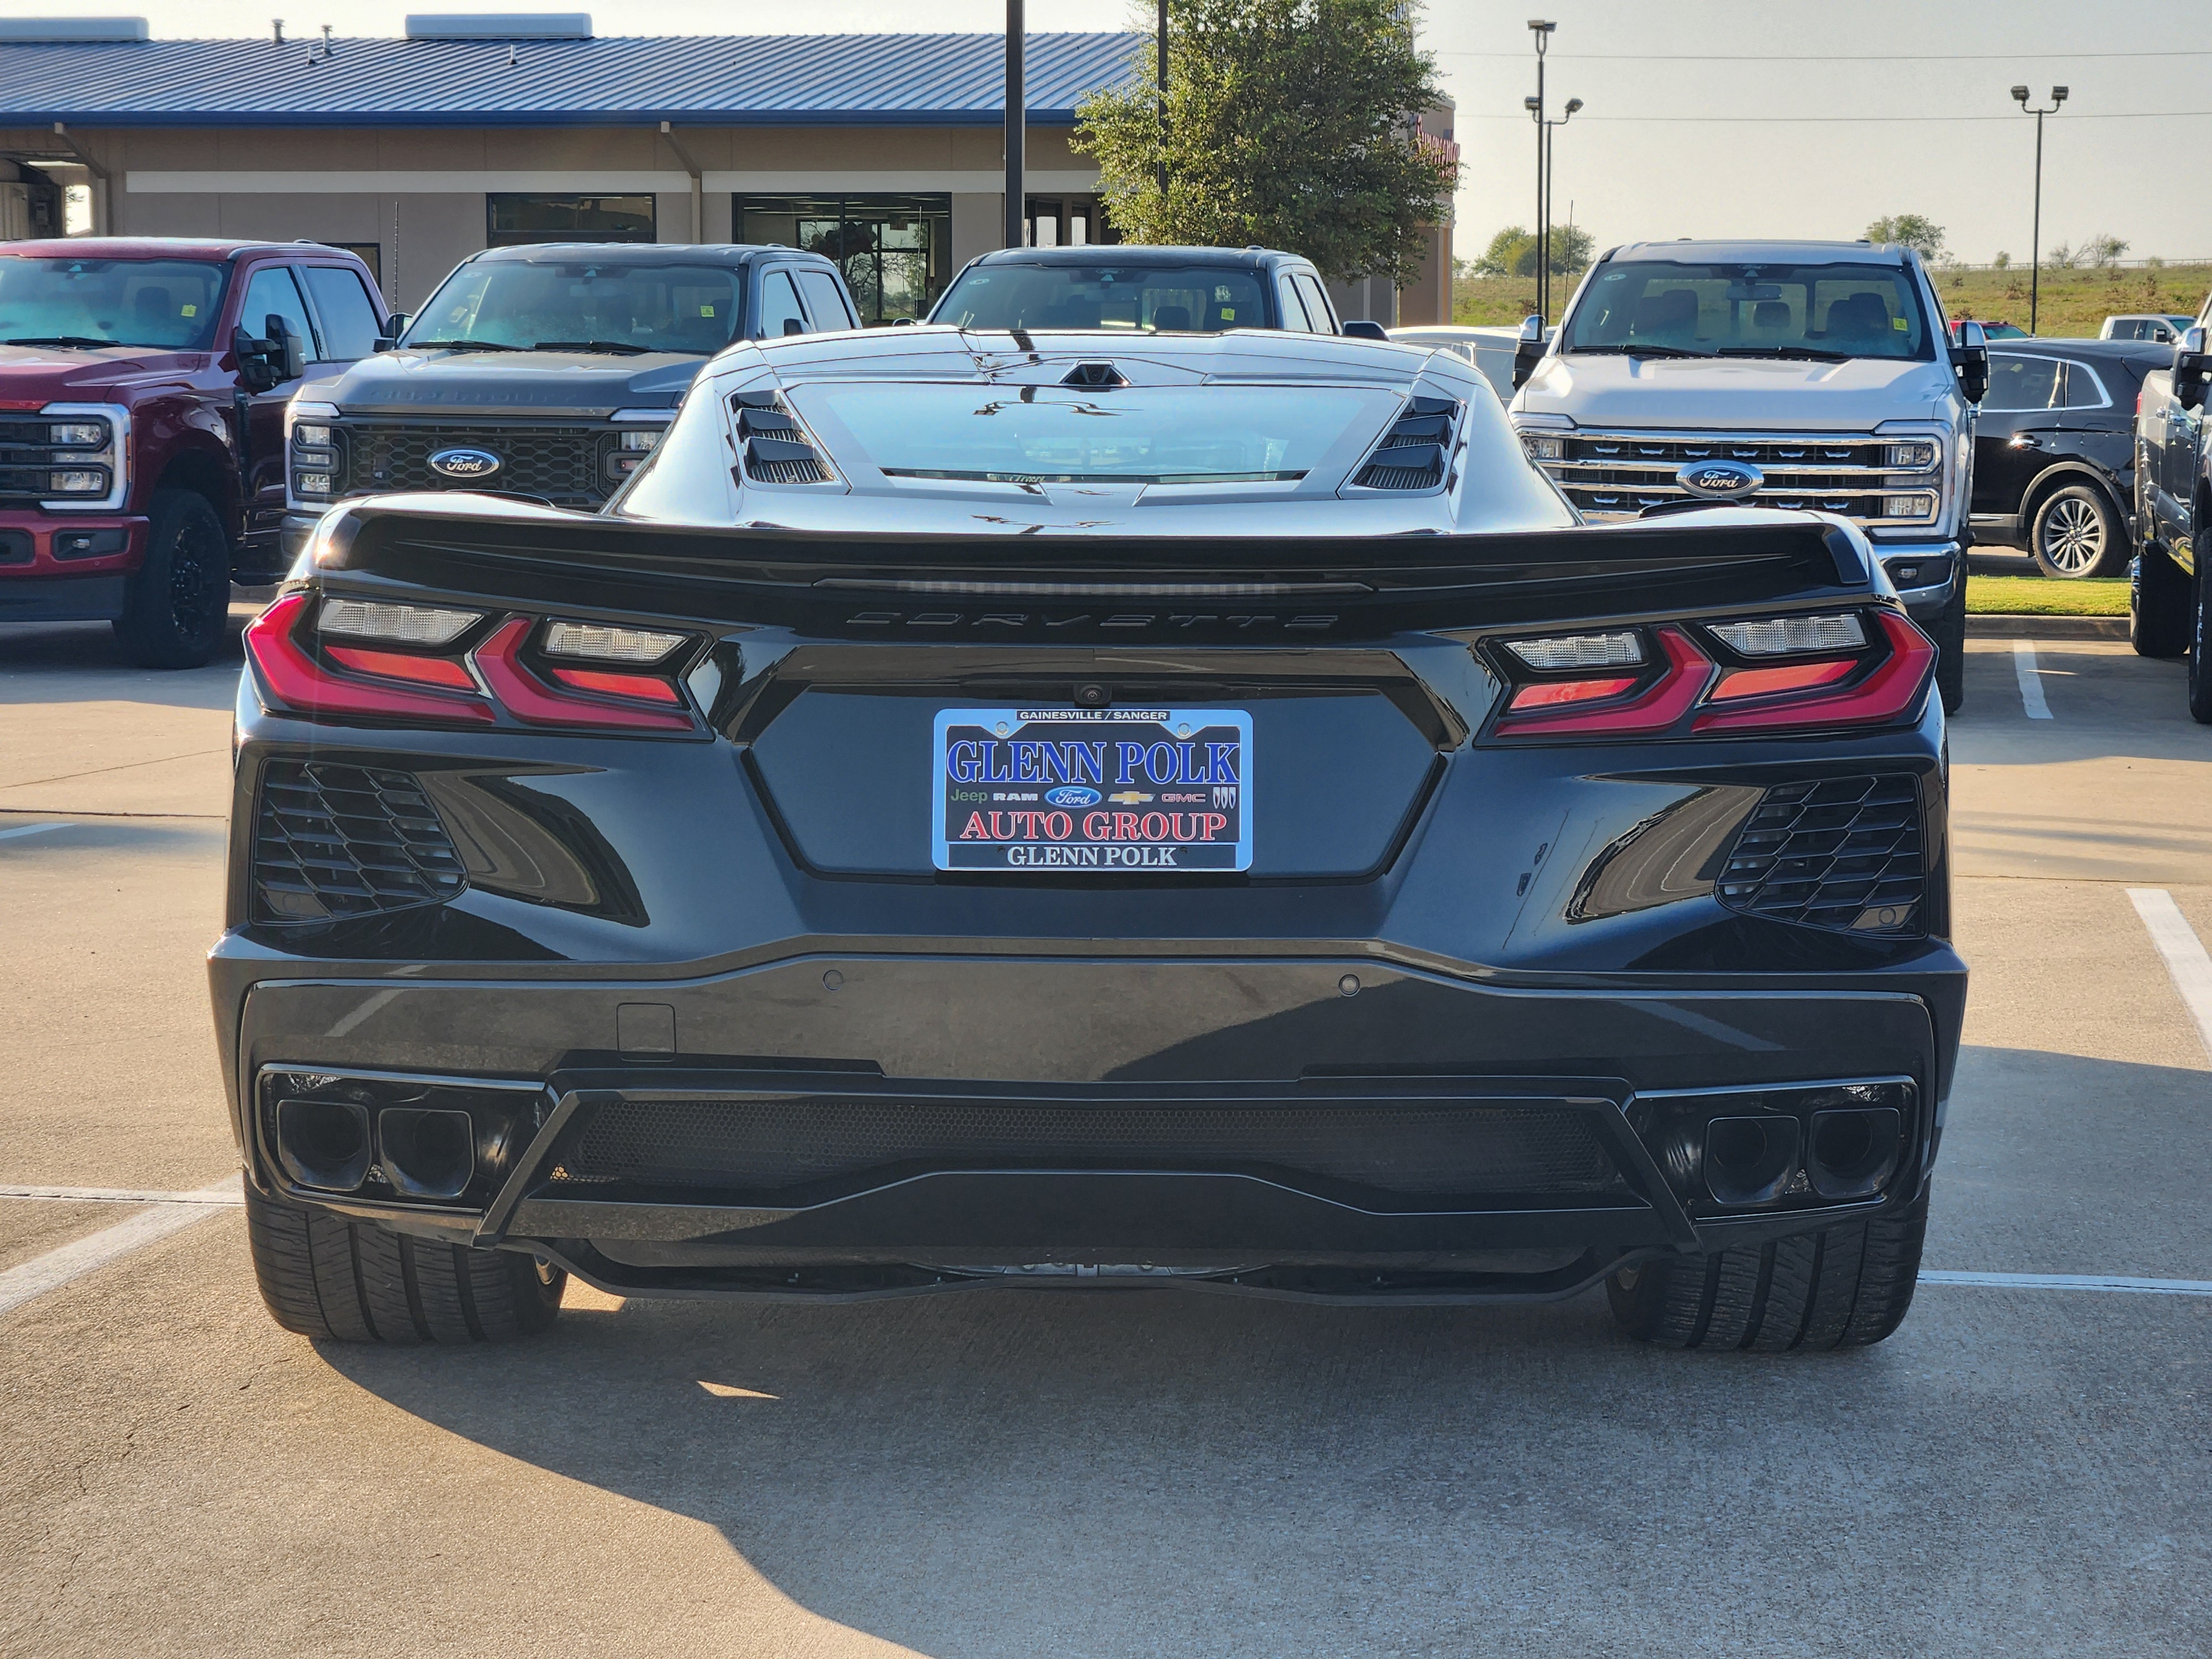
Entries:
{"x":1017,"y":773}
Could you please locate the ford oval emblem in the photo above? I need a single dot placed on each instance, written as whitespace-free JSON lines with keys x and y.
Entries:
{"x":1072,"y":795}
{"x":465,"y":464}
{"x":1717,"y":480}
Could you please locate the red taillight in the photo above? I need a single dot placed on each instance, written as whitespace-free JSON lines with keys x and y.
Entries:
{"x":1551,"y":694}
{"x":1770,"y":682}
{"x":1893,"y":686}
{"x":535,"y":702}
{"x":297,"y":681}
{"x":643,"y":686}
{"x":402,"y":666}
{"x":1664,"y":701}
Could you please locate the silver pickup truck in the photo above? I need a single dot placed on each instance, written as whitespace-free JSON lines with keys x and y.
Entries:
{"x":1817,"y":375}
{"x":2169,"y":612}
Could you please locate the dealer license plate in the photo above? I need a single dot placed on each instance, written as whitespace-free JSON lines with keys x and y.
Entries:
{"x":1104,"y":789}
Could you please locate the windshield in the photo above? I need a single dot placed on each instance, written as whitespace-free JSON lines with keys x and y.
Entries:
{"x":1775,"y":310}
{"x":603,"y":306}
{"x":169,"y":303}
{"x":1062,"y":434}
{"x":1166,"y":299}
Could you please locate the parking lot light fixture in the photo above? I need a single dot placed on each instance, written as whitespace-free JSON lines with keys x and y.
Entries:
{"x":2035,"y":235}
{"x":1541,"y":29}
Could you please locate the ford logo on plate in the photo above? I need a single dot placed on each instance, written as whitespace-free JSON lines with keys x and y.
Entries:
{"x":1718,"y":481}
{"x":1074,"y":795}
{"x":465,"y":464}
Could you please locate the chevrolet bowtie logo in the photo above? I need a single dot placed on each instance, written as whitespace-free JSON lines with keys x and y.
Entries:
{"x":1129,"y":797}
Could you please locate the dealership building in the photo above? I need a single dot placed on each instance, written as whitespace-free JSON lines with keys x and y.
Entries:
{"x":885,"y":151}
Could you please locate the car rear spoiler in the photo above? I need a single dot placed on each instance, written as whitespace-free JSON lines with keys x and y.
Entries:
{"x":1373,"y":584}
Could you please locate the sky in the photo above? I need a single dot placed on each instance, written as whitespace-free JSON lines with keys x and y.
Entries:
{"x":1836,"y":112}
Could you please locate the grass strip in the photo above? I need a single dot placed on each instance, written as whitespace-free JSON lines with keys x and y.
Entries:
{"x":2043,"y":596}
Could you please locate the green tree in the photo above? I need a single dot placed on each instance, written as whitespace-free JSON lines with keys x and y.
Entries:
{"x":1513,"y":252}
{"x":1290,"y":124}
{"x":1915,"y":231}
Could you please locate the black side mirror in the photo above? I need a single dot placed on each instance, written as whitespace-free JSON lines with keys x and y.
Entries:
{"x":289,"y":355}
{"x":1363,"y":329}
{"x":1530,"y":351}
{"x":1971,"y":357}
{"x":256,"y":361}
{"x":394,"y":326}
{"x":2192,"y":368}
{"x":792,"y":325}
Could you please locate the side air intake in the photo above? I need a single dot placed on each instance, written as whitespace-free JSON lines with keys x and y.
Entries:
{"x":776,"y":449}
{"x":1416,"y":450}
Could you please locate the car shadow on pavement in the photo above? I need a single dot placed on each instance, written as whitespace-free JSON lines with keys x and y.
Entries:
{"x":81,"y":662}
{"x":1017,"y":1471}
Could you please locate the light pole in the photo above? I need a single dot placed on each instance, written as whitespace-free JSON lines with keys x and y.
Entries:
{"x":1162,"y":66}
{"x":1017,"y":212}
{"x":2035,"y":236}
{"x":1545,"y":131}
{"x":1542,"y":30}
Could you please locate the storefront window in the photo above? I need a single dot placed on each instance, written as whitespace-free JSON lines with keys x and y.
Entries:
{"x":517,"y":221}
{"x":896,"y":251}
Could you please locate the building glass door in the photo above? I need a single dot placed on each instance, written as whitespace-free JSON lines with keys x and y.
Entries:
{"x":896,"y":251}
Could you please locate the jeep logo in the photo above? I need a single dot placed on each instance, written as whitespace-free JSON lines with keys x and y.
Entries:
{"x":1720,"y":481}
{"x":465,"y":464}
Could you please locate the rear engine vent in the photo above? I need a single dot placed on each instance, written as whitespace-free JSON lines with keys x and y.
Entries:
{"x":1841,"y":853}
{"x":766,"y":1147}
{"x":776,"y":449}
{"x":1414,"y":451}
{"x":334,"y":841}
{"x":1097,"y":374}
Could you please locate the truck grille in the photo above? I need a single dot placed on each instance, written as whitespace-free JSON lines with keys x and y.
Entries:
{"x":29,"y":458}
{"x":1842,"y":853}
{"x":1616,"y":475}
{"x":565,"y":465}
{"x":333,"y":841}
{"x":767,"y":1146}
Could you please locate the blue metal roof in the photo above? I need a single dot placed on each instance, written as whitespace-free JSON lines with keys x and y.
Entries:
{"x":776,"y":80}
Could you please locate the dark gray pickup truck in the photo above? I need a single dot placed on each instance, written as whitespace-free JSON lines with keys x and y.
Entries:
{"x":2170,"y":602}
{"x":546,"y":372}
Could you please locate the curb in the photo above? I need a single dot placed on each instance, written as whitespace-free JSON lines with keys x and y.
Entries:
{"x":1982,"y":626}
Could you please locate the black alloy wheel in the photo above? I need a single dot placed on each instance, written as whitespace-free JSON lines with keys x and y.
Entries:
{"x":2077,"y":534}
{"x":2159,"y":593}
{"x":177,"y":605}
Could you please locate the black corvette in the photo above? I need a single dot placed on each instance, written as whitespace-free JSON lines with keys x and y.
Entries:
{"x":751,"y":911}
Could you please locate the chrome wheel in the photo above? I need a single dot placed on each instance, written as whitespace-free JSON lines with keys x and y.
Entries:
{"x":2071,"y":538}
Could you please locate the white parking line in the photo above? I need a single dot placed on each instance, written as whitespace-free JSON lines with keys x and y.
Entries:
{"x":217,"y":1194}
{"x":171,"y":1213}
{"x":29,"y":830}
{"x":2031,"y":680}
{"x":2186,"y":960}
{"x":2074,"y":1282}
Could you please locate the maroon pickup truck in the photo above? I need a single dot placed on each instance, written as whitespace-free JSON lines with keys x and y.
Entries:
{"x":142,"y":385}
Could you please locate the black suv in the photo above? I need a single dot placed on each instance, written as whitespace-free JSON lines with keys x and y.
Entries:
{"x":1165,"y":290}
{"x":545,"y":372}
{"x":2054,"y":451}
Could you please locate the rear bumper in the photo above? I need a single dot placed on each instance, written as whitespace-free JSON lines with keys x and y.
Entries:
{"x":1320,"y":1126}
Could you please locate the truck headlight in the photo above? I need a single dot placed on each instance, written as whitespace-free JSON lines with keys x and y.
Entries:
{"x":1542,"y":448}
{"x":78,"y":481}
{"x":78,"y":434}
{"x":1919,"y":505}
{"x":1916,"y":456}
{"x":635,"y":439}
{"x":305,"y":484}
{"x":304,"y":437}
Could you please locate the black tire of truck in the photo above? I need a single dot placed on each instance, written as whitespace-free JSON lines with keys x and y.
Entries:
{"x":2200,"y":647}
{"x":351,"y":1281}
{"x":1951,"y":653}
{"x":176,"y":605}
{"x":1846,"y":1286}
{"x":2158,"y":604}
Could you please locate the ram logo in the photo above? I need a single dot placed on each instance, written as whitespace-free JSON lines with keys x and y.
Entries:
{"x":465,"y":463}
{"x":1720,"y":481}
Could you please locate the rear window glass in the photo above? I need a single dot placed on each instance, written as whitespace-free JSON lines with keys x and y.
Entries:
{"x":604,"y":304}
{"x":1059,"y":435}
{"x":1166,"y":299}
{"x":1777,"y":310}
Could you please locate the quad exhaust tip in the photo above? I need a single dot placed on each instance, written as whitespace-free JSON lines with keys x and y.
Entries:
{"x":421,"y":1152}
{"x":1848,"y":1153}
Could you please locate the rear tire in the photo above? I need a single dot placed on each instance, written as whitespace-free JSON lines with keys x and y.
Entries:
{"x":2200,"y":648}
{"x":2158,"y":602}
{"x":177,"y":605}
{"x":1846,"y":1286}
{"x":351,"y":1281}
{"x":2077,"y":533}
{"x":1951,"y":653}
